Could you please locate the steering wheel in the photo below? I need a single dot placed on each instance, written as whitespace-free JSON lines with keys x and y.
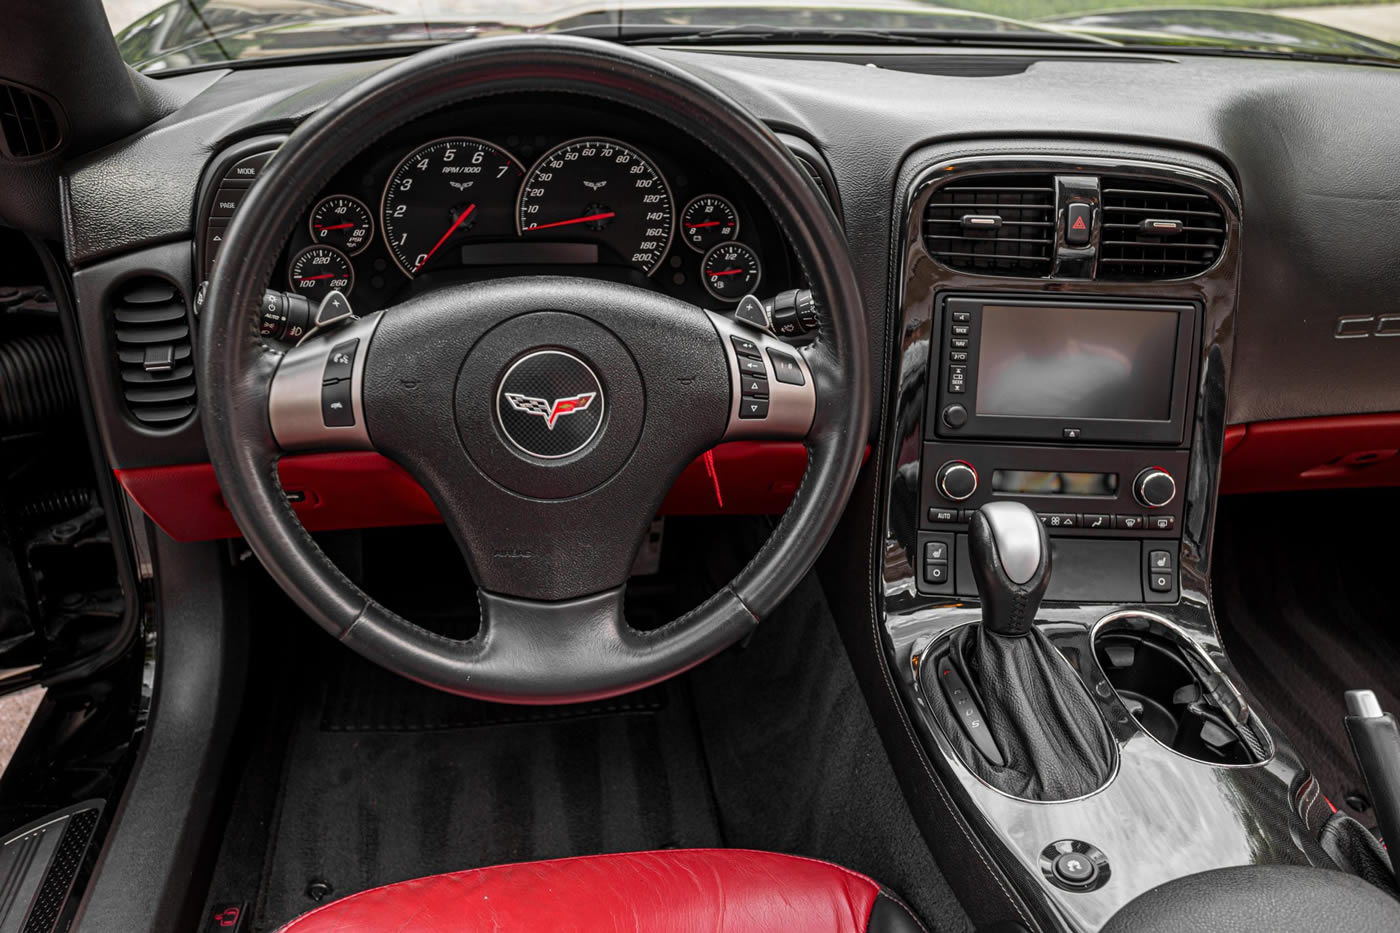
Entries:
{"x":545,"y":416}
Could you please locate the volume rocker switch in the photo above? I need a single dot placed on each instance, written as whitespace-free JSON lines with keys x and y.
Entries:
{"x":337,"y":401}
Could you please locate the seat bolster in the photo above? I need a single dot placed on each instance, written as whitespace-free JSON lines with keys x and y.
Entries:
{"x":672,"y":891}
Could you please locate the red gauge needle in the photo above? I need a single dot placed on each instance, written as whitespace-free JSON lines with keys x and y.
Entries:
{"x":576,"y":220}
{"x":450,"y":230}
{"x":334,"y":226}
{"x":728,"y":272}
{"x":312,"y":278}
{"x":708,"y":223}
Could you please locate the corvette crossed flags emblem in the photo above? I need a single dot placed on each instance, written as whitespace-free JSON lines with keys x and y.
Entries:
{"x":550,"y":411}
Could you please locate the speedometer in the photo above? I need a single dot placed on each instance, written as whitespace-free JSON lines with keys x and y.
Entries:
{"x":444,"y":192}
{"x":599,"y":191}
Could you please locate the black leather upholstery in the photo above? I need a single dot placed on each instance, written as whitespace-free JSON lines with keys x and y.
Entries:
{"x":1055,"y":743}
{"x":1261,"y":899}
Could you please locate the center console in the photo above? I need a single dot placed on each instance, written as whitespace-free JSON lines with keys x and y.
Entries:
{"x":1066,"y":317}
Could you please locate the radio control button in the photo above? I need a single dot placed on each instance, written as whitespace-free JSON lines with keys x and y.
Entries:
{"x":956,"y":480}
{"x":956,"y":388}
{"x":958,"y":343}
{"x":957,"y":356}
{"x":962,"y":317}
{"x":1128,"y":522}
{"x":961,"y":330}
{"x":954,"y":416}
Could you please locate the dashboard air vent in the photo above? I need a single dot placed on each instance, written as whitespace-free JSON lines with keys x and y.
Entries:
{"x":994,"y":224}
{"x":29,"y":125}
{"x":154,"y":352}
{"x":1157,"y":230}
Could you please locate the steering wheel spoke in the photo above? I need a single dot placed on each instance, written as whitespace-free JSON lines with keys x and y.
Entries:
{"x":316,"y":400}
{"x":773,"y":394}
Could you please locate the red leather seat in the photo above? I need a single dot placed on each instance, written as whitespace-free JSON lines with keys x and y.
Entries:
{"x":677,"y":891}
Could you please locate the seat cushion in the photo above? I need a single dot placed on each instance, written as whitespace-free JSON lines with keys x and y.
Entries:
{"x":675,"y":891}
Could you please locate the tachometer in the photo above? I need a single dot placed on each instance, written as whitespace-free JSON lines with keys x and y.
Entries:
{"x":444,"y":192}
{"x":599,"y":191}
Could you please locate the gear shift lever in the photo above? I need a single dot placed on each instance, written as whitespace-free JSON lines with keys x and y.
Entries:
{"x":1049,"y":741}
{"x":1010,"y":555}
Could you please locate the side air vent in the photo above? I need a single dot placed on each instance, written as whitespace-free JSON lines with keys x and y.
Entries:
{"x":1157,"y":230}
{"x":994,"y":224}
{"x":29,"y":126}
{"x":154,"y":353}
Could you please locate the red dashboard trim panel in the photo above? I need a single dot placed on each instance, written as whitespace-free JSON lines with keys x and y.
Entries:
{"x":1339,"y":452}
{"x":739,"y":478}
{"x":367,"y":490}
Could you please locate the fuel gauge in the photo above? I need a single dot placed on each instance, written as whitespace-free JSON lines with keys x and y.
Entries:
{"x":730,"y":271}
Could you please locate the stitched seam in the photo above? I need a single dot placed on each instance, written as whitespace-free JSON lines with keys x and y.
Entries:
{"x":896,"y":260}
{"x":620,"y":856}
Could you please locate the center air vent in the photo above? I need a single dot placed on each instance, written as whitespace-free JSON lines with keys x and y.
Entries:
{"x":994,"y":224}
{"x":154,"y":352}
{"x":1157,"y":230}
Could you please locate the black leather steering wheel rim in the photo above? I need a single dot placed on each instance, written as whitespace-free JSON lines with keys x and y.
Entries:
{"x":573,"y":649}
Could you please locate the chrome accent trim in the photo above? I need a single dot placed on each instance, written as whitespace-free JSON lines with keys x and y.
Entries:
{"x":791,"y":409}
{"x":1363,"y":704}
{"x":294,"y":398}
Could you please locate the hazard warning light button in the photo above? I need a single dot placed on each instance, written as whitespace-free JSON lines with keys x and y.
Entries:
{"x":1078,"y":220}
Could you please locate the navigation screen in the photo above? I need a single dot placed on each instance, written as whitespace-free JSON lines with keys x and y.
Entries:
{"x":1076,"y":363}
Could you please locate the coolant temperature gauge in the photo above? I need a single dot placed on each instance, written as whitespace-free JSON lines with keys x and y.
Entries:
{"x":730,"y":271}
{"x":317,"y":271}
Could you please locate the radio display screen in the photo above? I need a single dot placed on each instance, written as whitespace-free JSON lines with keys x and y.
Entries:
{"x":1076,"y":362}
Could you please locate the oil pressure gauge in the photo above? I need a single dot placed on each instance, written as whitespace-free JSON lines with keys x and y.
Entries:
{"x":343,"y":222}
{"x":730,"y":271}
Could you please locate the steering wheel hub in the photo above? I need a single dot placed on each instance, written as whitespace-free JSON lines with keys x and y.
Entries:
{"x":550,"y":404}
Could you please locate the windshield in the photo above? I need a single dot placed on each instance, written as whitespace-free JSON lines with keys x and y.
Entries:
{"x":182,"y":34}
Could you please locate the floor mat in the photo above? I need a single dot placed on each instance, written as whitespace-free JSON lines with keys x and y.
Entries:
{"x":1305,"y":619}
{"x":360,"y":808}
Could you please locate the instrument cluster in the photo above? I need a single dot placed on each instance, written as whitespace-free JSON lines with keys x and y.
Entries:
{"x":464,"y":196}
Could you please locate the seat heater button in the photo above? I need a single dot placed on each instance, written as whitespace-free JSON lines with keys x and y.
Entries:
{"x":785,"y":369}
{"x":341,"y":362}
{"x":752,"y":408}
{"x":1159,"y":561}
{"x":1074,"y":869}
{"x":935,"y":551}
{"x":337,"y":408}
{"x":745,"y":347}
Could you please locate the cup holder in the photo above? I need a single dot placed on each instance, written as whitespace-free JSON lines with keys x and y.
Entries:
{"x":1177,"y":694}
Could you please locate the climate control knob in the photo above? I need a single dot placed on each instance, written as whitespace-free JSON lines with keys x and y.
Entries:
{"x":1154,"y":488}
{"x":956,"y":480}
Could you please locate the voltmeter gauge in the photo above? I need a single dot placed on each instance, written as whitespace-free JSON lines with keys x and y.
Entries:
{"x":343,"y":222}
{"x":730,"y":271}
{"x":317,"y":271}
{"x":707,"y":220}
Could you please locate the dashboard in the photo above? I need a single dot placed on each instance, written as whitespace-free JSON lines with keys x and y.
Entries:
{"x":529,"y":186}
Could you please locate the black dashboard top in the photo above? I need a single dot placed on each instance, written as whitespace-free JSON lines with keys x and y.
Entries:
{"x":1308,"y":145}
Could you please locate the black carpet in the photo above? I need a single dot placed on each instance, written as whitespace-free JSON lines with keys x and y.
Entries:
{"x":1308,"y":611}
{"x":361,"y":806}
